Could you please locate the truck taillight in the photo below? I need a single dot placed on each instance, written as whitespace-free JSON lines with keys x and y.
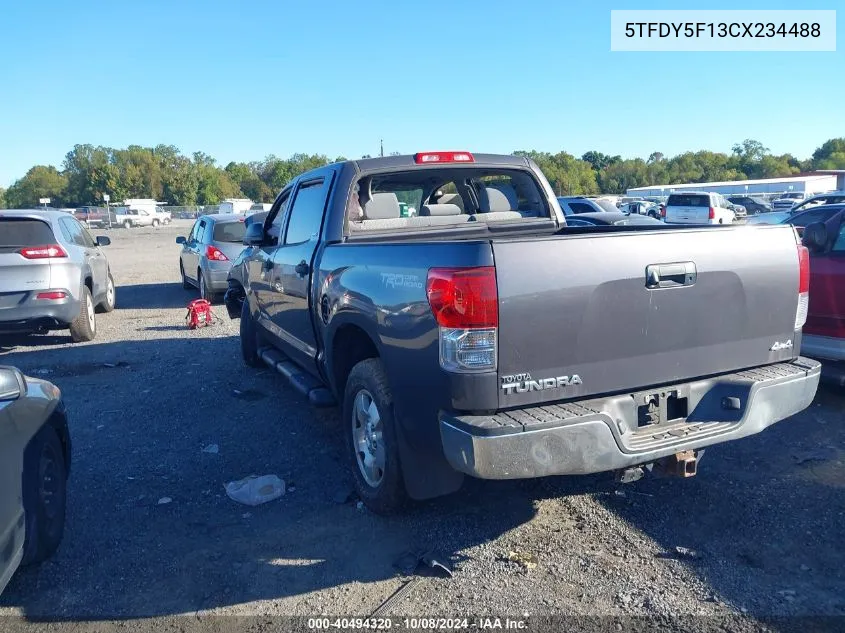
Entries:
{"x":48,"y":251}
{"x":803,"y":286}
{"x":215,"y":254}
{"x":465,"y":304}
{"x":712,"y":214}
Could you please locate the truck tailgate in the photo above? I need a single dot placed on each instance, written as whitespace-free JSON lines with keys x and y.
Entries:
{"x":624,"y":311}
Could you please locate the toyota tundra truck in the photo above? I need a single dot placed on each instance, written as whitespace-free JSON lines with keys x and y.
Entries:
{"x":485,"y":337}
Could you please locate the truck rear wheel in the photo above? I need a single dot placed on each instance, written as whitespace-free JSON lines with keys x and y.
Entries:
{"x":371,"y":438}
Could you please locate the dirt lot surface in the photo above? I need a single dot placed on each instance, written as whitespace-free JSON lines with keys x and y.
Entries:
{"x":759,"y":532}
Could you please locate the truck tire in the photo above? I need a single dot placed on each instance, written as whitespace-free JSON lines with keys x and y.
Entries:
{"x":155,"y":223}
{"x":84,"y":326}
{"x":109,"y":302}
{"x":371,"y":438}
{"x":44,"y":495}
{"x":127,"y":224}
{"x":249,"y":337}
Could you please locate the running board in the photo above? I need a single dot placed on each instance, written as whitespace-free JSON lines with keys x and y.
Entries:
{"x":317,"y":393}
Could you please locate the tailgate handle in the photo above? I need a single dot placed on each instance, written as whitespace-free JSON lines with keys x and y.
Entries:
{"x":670,"y":275}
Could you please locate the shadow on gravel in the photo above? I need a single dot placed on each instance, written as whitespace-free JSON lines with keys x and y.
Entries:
{"x":763,"y":521}
{"x":10,"y":342}
{"x":166,"y":295}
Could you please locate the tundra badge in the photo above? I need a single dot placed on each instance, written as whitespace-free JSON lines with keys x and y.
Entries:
{"x":522,"y":383}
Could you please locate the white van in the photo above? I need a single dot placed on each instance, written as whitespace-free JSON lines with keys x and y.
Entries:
{"x":698,"y":207}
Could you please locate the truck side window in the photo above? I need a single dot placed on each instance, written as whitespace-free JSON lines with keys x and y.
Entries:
{"x":278,"y":224}
{"x":306,"y":215}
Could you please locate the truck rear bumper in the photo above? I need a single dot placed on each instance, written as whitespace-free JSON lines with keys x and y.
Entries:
{"x":603,"y":434}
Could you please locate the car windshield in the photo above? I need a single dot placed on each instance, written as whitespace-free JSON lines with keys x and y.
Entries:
{"x":229,"y":231}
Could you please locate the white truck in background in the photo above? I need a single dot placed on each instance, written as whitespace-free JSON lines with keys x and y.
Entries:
{"x":235,"y":205}
{"x":149,"y":213}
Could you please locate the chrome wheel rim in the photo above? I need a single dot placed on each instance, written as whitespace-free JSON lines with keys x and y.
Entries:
{"x":368,"y":438}
{"x":89,"y":308}
{"x":110,"y":293}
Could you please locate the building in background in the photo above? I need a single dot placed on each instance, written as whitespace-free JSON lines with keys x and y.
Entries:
{"x":809,"y":184}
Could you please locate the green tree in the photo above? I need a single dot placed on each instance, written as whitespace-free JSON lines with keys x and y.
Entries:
{"x":831,"y":155}
{"x":139,"y":173}
{"x":599,"y":161}
{"x":41,"y":181}
{"x":249,"y":182}
{"x":566,"y":174}
{"x":2,"y":198}
{"x":90,"y":174}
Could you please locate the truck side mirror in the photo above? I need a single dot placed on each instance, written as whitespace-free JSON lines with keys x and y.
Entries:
{"x":815,"y":237}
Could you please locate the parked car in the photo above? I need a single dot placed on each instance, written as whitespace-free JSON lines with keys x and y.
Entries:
{"x":160,"y":216}
{"x":617,"y":218}
{"x":824,"y":335}
{"x":788,"y":200}
{"x":475,"y":341}
{"x":821,"y":213}
{"x":832,"y":197}
{"x":774,"y":217}
{"x":34,"y":468}
{"x":207,"y":253}
{"x":642,"y":207}
{"x":739,"y":210}
{"x":571,"y":205}
{"x":753,"y":204}
{"x":697,"y":207}
{"x":53,"y":274}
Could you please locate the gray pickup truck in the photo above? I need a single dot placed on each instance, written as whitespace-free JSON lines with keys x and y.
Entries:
{"x":484,"y":337}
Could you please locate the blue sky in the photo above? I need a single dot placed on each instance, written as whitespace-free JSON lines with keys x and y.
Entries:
{"x":241,"y":80}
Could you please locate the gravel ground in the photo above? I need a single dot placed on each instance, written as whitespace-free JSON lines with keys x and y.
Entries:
{"x":759,"y":529}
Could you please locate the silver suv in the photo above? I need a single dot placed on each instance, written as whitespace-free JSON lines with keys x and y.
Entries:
{"x":53,"y":274}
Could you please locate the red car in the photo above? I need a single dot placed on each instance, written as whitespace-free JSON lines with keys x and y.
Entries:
{"x":824,"y":332}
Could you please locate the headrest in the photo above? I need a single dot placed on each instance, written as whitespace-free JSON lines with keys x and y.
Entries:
{"x":440,"y":209}
{"x":499,"y":198}
{"x":451,"y":198}
{"x":382,"y":206}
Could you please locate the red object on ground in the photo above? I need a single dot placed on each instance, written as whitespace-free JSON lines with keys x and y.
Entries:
{"x":199,"y":314}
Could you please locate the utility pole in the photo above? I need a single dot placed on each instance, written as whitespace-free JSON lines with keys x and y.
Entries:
{"x":381,"y":142}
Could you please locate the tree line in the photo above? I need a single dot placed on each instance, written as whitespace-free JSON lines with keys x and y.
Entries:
{"x":165,"y":174}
